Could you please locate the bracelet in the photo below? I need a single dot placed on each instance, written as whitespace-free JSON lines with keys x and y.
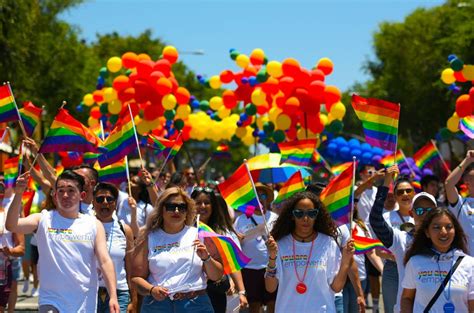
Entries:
{"x":149,"y":185}
{"x":273,"y":259}
{"x":271,"y":268}
{"x":242,"y":293}
{"x":460,"y":167}
{"x":151,"y":290}
{"x":206,"y":259}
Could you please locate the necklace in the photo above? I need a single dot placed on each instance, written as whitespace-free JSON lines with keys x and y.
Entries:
{"x":301,"y":286}
{"x":303,"y":239}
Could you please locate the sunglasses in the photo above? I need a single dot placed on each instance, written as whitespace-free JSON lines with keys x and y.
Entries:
{"x":401,"y":192}
{"x":408,"y":227}
{"x":312,"y":214}
{"x":203,"y":189}
{"x":370,"y":172}
{"x":421,"y":211}
{"x":101,"y":199}
{"x":171,"y":207}
{"x":262,"y":196}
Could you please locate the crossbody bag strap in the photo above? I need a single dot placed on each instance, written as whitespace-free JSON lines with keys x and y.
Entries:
{"x":443,"y":284}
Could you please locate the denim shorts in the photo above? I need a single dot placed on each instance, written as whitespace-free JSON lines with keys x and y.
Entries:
{"x":123,"y":298}
{"x":199,"y":304}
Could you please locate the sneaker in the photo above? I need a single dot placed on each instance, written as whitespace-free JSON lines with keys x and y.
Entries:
{"x":34,"y":292}
{"x":26,"y":286}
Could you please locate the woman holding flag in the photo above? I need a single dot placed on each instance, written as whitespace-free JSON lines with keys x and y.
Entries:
{"x":171,"y":266}
{"x":305,"y":261}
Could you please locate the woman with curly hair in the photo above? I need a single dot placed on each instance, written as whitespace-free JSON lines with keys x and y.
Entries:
{"x":305,"y":261}
{"x":171,"y":265}
{"x":438,"y":246}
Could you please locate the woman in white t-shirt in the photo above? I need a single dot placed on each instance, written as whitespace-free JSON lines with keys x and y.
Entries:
{"x":436,"y":248}
{"x":119,"y":239}
{"x":305,"y":261}
{"x":171,"y":266}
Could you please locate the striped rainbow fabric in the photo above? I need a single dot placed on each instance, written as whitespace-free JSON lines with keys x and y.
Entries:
{"x":30,"y":116}
{"x":388,"y":159}
{"x":297,"y":152}
{"x":115,"y":173}
{"x":10,"y":171}
{"x":466,"y":124}
{"x":426,"y":154}
{"x":364,"y":244}
{"x":294,"y":185}
{"x":338,"y":169}
{"x":8,"y":111}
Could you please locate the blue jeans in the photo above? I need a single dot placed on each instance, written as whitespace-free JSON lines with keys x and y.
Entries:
{"x":199,"y":304}
{"x":389,"y":285}
{"x":350,"y":297}
{"x":339,"y":304}
{"x":123,"y":298}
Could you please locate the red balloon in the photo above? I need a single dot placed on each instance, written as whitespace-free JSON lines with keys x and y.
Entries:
{"x":291,"y":106}
{"x":460,"y":77}
{"x":144,"y":68}
{"x":174,"y":83}
{"x":317,"y":74}
{"x":150,"y":113}
{"x":263,"y":108}
{"x":280,"y":101}
{"x":250,"y":71}
{"x":291,"y":133}
{"x":154,"y":76}
{"x":316,"y":90}
{"x":163,"y":66}
{"x":270,"y":87}
{"x":306,"y":103}
{"x":332,"y":94}
{"x":229,"y":99}
{"x":314,"y":123}
{"x":142,"y":91}
{"x":186,"y":132}
{"x":129,"y":59}
{"x":226,"y":76}
{"x":121,"y":82}
{"x":303,"y":79}
{"x":182,"y":95}
{"x":126,"y":94}
{"x":98,"y":96}
{"x":290,"y":67}
{"x":471,"y":95}
{"x":287,"y":85}
{"x":95,"y":112}
{"x":463,"y":106}
{"x":133,"y":77}
{"x":163,"y":86}
{"x":243,"y":93}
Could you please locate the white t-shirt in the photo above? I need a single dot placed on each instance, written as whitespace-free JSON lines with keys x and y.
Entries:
{"x":255,"y":248}
{"x":173,"y":262}
{"x":401,"y":241}
{"x":394,"y":219}
{"x":322,"y":268}
{"x":124,"y":213}
{"x":67,"y":262}
{"x":343,"y":235}
{"x":422,"y":273}
{"x":366,"y":201}
{"x":87,"y":209}
{"x":360,"y":258}
{"x":6,"y":237}
{"x":117,"y":247}
{"x":464,"y":211}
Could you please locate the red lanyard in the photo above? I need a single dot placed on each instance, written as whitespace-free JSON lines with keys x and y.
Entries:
{"x":301,"y":286}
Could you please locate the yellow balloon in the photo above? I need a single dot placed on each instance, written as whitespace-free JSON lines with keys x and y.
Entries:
{"x":302,"y":134}
{"x":283,"y":122}
{"x":453,"y":124}
{"x":468,"y":72}
{"x":273,"y":114}
{"x":169,"y":102}
{"x":215,"y":82}
{"x":110,"y":94}
{"x":258,"y":53}
{"x":183,"y":111}
{"x":88,"y":99}
{"x":240,"y":132}
{"x":115,"y":106}
{"x":242,"y":60}
{"x":447,"y":76}
{"x":330,"y":118}
{"x":338,"y":110}
{"x":323,"y":118}
{"x":274,"y":69}
{"x":258,"y":97}
{"x":92,"y":121}
{"x":223,"y":112}
{"x":114,"y":64}
{"x":215,"y":103}
{"x":143,"y":127}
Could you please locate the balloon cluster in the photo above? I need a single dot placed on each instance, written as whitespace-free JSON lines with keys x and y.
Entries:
{"x":277,"y":101}
{"x":461,"y":73}
{"x":339,"y":150}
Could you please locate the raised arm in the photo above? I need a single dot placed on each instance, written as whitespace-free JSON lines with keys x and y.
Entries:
{"x":346,"y":260}
{"x":152,"y":189}
{"x":453,"y":178}
{"x":48,"y":171}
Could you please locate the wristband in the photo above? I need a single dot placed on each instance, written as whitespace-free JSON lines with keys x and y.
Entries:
{"x":151,"y":290}
{"x":273,"y":259}
{"x":206,"y":259}
{"x":242,"y":293}
{"x":460,"y":167}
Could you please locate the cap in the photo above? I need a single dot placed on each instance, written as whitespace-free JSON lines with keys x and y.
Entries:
{"x":268,"y":191}
{"x":424,"y":195}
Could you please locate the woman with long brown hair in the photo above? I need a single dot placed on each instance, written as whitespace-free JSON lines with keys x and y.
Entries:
{"x":305,"y":261}
{"x":171,"y":266}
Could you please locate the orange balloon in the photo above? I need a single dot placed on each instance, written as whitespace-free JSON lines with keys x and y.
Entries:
{"x":143,"y":56}
{"x":121,"y":82}
{"x":129,"y":59}
{"x":182,"y":95}
{"x":291,"y":106}
{"x":291,"y":67}
{"x":171,"y":54}
{"x":332,"y":94}
{"x":325,"y":65}
{"x":229,"y":99}
{"x":463,"y":106}
{"x":163,"y":86}
{"x":98,"y":96}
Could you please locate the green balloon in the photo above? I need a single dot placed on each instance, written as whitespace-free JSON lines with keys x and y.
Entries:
{"x":128,"y":72}
{"x":104,"y":109}
{"x":103,"y":72}
{"x":262,"y":76}
{"x":235,"y":139}
{"x":234,"y":54}
{"x":113,"y":119}
{"x":268,"y":127}
{"x":265,"y":60}
{"x":457,"y":64}
{"x":251,"y":109}
{"x":337,"y":126}
{"x":279,"y":136}
{"x":179,"y":124}
{"x":169,"y":114}
{"x":445,"y":134}
{"x":204,"y":105}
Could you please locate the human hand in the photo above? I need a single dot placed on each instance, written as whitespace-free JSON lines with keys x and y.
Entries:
{"x":201,"y":249}
{"x":272,"y":247}
{"x":159,"y":293}
{"x":21,"y":183}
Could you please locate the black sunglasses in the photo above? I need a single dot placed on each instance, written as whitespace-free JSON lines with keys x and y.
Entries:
{"x":312,"y":214}
{"x":401,"y":192}
{"x":101,"y":199}
{"x":421,"y":211}
{"x":203,"y":189}
{"x":171,"y":207}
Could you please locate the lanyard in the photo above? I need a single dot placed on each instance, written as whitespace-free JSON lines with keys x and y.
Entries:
{"x":448,"y":296}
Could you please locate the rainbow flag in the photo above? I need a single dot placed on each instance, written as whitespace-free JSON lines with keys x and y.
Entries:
{"x":68,"y":134}
{"x":32,"y":185}
{"x":8,"y":110}
{"x":30,"y":116}
{"x":120,"y":142}
{"x":178,"y":143}
{"x":27,"y":201}
{"x":417,"y":186}
{"x":115,"y":173}
{"x":466,"y":124}
{"x":463,"y":191}
{"x":379,"y":120}
{"x":388,"y":159}
{"x":10,"y":171}
{"x":426,"y":155}
{"x":222,"y":152}
{"x":336,"y":170}
{"x":59,"y":169}
{"x":294,"y":185}
{"x":238,"y":191}
{"x":90,"y":157}
{"x":364,"y":244}
{"x":233,"y":259}
{"x":161,"y":145}
{"x":299,"y":152}
{"x":336,"y":197}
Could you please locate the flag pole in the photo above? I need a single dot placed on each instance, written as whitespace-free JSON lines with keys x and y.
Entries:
{"x":352,"y":198}
{"x":102,"y":133}
{"x":441,"y":156}
{"x":408,"y":164}
{"x":20,"y":159}
{"x":20,"y":121}
{"x":169,"y":153}
{"x":258,"y":200}
{"x":128,"y":177}
{"x":136,"y":137}
{"x":4,"y":134}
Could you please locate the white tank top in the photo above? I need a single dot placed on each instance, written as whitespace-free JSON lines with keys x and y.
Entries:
{"x":173,"y":262}
{"x":117,"y":247}
{"x":67,"y":263}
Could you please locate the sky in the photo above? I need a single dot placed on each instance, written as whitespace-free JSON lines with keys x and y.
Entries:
{"x":306,"y":30}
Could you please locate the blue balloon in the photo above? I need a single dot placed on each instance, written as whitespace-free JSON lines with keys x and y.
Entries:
{"x":332,"y":149}
{"x":365,"y":147}
{"x":366,"y":157}
{"x":100,"y":80}
{"x":376,"y":159}
{"x":340,"y":141}
{"x":377,"y":151}
{"x":253,"y":81}
{"x":261,"y":134}
{"x":427,"y":171}
{"x":345,"y":153}
{"x":353,"y":142}
{"x":244,"y":80}
{"x":243,"y":117}
{"x":239,"y":123}
{"x":357,"y":153}
{"x":195,"y":104}
{"x":79,"y":108}
{"x":451,"y":57}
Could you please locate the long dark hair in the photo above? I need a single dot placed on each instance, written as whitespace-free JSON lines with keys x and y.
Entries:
{"x":285,"y":223}
{"x":422,"y":244}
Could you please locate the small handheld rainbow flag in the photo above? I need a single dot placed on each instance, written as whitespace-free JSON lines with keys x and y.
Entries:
{"x":8,"y":110}
{"x":161,"y":145}
{"x":30,"y":116}
{"x":379,"y":120}
{"x":115,"y":173}
{"x":336,"y":197}
{"x":297,"y":152}
{"x":238,"y":191}
{"x":294,"y":185}
{"x":388,"y":159}
{"x":222,"y":152}
{"x":466,"y":124}
{"x":27,"y":201}
{"x":365,"y":244}
{"x":10,"y":171}
{"x":233,"y":259}
{"x":426,"y":155}
{"x":336,"y":170}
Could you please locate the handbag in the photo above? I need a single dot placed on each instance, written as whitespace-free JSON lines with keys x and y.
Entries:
{"x":220,"y":286}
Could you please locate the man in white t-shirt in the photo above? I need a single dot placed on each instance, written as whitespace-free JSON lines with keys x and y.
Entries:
{"x":463,"y":208}
{"x":69,"y":244}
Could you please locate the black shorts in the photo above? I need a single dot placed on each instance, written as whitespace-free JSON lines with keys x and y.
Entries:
{"x":371,"y":270}
{"x":34,"y":254}
{"x":254,"y":283}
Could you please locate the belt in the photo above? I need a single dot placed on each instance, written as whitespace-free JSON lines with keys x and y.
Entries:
{"x":187,"y":295}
